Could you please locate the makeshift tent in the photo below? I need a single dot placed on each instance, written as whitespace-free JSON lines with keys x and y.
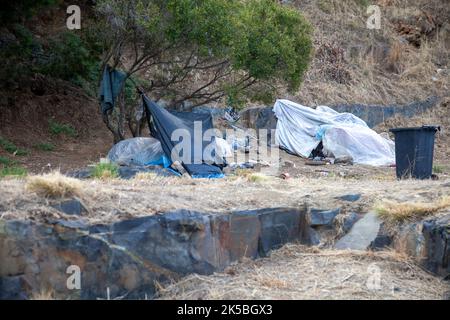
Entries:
{"x":199,"y":159}
{"x":167,"y":127}
{"x":300,"y":129}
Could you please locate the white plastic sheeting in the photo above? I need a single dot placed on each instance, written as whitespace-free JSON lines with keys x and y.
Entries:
{"x":142,"y":151}
{"x":136,"y":151}
{"x":300,"y":130}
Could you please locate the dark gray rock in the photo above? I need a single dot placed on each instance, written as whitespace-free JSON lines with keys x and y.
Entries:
{"x":376,"y":114}
{"x":264,"y":118}
{"x":350,"y":197}
{"x":280,"y":226}
{"x":436,"y":233}
{"x":129,"y":256}
{"x":71,"y":207}
{"x":382,"y":240}
{"x":349,"y":221}
{"x":321,"y":218}
{"x":314,"y":237}
{"x":80,"y":174}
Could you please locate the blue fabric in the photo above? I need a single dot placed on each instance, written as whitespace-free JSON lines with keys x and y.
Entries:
{"x":208,"y":176}
{"x":163,"y":161}
{"x":110,"y":87}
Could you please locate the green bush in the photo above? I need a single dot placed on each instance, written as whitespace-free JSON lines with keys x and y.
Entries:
{"x":58,"y":128}
{"x":69,"y":59}
{"x":105,"y":170}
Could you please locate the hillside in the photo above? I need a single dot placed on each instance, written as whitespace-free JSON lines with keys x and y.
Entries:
{"x":405,"y":61}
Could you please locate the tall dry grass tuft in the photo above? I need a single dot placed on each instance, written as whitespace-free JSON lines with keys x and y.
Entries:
{"x":394,"y":213}
{"x":54,"y":185}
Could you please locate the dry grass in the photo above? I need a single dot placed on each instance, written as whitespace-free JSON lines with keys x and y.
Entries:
{"x":297,"y":272}
{"x":251,"y":176}
{"x":380,"y":67}
{"x":54,"y":185}
{"x":393,"y":212}
{"x":113,"y":200}
{"x":47,"y":294}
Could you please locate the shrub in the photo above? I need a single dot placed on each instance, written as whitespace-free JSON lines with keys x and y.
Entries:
{"x":105,"y":171}
{"x":68,"y":58}
{"x":58,"y":128}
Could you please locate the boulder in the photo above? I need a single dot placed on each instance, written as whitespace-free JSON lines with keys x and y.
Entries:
{"x":71,"y":207}
{"x":323,"y":218}
{"x":350,"y":197}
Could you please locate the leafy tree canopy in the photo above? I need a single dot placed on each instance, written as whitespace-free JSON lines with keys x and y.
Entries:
{"x":206,"y":50}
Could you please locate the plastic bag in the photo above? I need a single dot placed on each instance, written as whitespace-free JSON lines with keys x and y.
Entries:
{"x":136,"y":151}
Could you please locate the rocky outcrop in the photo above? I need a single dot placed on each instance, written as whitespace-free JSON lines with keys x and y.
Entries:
{"x":428,"y":241}
{"x":129,"y":257}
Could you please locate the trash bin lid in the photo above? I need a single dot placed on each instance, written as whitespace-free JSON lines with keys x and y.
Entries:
{"x":426,"y":127}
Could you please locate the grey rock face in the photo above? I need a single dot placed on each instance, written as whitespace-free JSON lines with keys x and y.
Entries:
{"x":129,"y":256}
{"x":362,"y":234}
{"x":263,"y":117}
{"x":321,"y":218}
{"x":71,"y":207}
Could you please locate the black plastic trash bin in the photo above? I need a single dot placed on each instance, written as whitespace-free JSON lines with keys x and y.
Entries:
{"x":414,"y":149}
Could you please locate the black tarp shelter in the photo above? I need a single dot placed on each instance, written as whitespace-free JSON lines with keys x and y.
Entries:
{"x":163,"y":124}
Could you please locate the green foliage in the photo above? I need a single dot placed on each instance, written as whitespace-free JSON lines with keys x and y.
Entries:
{"x":262,"y":39}
{"x":6,"y":162}
{"x":69,"y":58}
{"x":105,"y":170}
{"x":273,"y":42}
{"x":10,"y":147}
{"x":438,"y":169}
{"x":56,"y":128}
{"x":12,"y":171}
{"x":9,"y":167}
{"x":17,"y":50}
{"x":45,"y":146}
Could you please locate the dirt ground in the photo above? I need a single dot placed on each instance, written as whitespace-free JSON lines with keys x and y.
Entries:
{"x":310,"y":273}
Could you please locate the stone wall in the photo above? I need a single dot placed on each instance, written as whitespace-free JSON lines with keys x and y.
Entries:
{"x":263,"y":117}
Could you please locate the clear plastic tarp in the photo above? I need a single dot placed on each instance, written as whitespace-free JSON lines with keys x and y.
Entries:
{"x":136,"y":151}
{"x":300,"y":129}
